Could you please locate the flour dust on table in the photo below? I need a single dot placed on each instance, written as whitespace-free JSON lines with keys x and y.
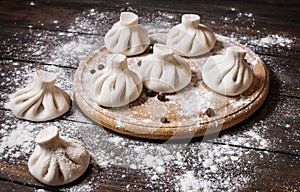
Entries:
{"x":191,"y":167}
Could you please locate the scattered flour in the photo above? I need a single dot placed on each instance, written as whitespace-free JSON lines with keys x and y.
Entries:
{"x":19,"y":136}
{"x":272,"y":40}
{"x":243,"y":100}
{"x":73,"y":52}
{"x":189,"y":183}
{"x":196,"y":166}
{"x":288,"y":126}
{"x":249,"y":22}
{"x":252,"y":137}
{"x":79,"y":188}
{"x":17,"y":140}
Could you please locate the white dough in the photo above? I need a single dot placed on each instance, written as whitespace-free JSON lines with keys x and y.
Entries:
{"x":164,"y":71}
{"x":127,"y":36}
{"x":116,"y":85}
{"x":190,"y":38}
{"x":228,"y":74}
{"x":57,"y":160}
{"x":40,"y":100}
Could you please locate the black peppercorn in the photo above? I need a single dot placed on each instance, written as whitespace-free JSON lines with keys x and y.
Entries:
{"x":210,"y":112}
{"x":164,"y":120}
{"x":100,"y":67}
{"x":92,"y":71}
{"x":139,"y":63}
{"x":161,"y":97}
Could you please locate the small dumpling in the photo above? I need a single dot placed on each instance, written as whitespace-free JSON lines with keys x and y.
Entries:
{"x":127,"y":36}
{"x":190,"y":38}
{"x":116,"y":85}
{"x":228,"y":74}
{"x":164,"y":71}
{"x":57,"y":160}
{"x":40,"y":100}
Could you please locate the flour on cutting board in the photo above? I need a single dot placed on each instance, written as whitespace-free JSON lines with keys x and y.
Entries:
{"x":172,"y":164}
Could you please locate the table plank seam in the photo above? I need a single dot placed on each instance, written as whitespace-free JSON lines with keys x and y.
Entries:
{"x":258,"y":149}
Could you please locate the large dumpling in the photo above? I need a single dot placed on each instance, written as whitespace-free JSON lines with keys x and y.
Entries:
{"x":190,"y":38}
{"x":228,"y":74}
{"x":40,"y":100}
{"x":164,"y":71}
{"x":116,"y":85}
{"x":127,"y":36}
{"x":57,"y":160}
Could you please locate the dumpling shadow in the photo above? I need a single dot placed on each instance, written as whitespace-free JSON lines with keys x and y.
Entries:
{"x":219,"y":45}
{"x":196,"y":78}
{"x":139,"y":101}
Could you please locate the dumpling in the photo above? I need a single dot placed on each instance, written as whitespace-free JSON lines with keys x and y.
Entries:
{"x":127,"y":36}
{"x":190,"y":38}
{"x":116,"y":85}
{"x":57,"y":160}
{"x":40,"y":100}
{"x":228,"y":74}
{"x":164,"y":71}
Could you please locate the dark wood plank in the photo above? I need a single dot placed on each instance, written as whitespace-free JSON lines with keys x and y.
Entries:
{"x":47,"y":47}
{"x":103,"y":178}
{"x":64,"y":9}
{"x":284,"y":75}
{"x":9,"y":186}
{"x":273,"y":127}
{"x":245,"y":169}
{"x":244,"y":23}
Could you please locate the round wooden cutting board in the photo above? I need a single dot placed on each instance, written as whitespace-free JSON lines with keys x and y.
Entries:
{"x":185,"y":111}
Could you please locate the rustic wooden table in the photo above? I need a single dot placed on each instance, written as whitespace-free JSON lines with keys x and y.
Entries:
{"x":260,"y":154}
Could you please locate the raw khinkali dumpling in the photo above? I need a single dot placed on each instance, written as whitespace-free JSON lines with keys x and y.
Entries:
{"x":116,"y":85}
{"x":57,"y":160}
{"x":127,"y":36}
{"x":164,"y":71}
{"x":190,"y":38}
{"x":40,"y":100}
{"x":228,"y":74}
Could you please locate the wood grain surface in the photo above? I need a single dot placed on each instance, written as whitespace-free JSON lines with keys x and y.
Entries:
{"x":260,"y":154}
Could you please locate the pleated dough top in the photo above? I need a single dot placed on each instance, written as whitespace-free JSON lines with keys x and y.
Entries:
{"x":57,"y":160}
{"x":228,"y":74}
{"x":40,"y":100}
{"x":190,"y":38}
{"x":164,"y":71}
{"x":127,"y":36}
{"x":116,"y":85}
